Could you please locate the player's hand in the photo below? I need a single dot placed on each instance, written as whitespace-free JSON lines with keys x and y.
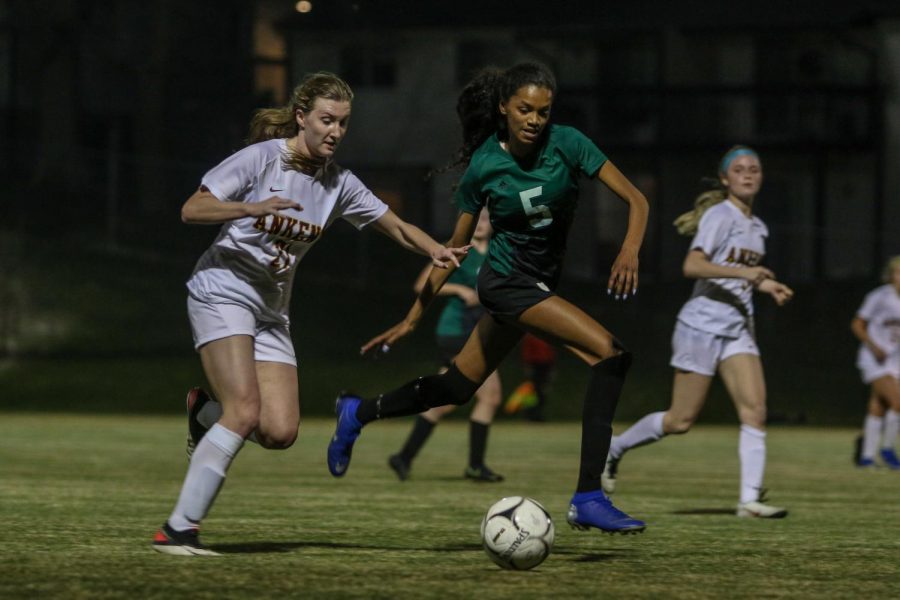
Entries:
{"x":623,"y":278}
{"x":443,"y":257}
{"x":780,"y":292}
{"x":381,"y":344}
{"x":271,"y":206}
{"x":756,"y":275}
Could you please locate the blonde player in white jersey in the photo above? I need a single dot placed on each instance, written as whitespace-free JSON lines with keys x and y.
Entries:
{"x":274,"y":199}
{"x":714,"y":332}
{"x":877,"y":327}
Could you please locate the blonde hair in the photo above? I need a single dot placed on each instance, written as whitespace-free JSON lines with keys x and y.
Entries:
{"x":687,"y":223}
{"x":272,"y":123}
{"x":892,"y":263}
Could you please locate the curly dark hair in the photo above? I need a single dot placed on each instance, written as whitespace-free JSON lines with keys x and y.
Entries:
{"x":478,"y":105}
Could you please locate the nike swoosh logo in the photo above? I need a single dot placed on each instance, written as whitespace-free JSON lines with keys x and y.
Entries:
{"x":271,"y":189}
{"x":543,"y":286}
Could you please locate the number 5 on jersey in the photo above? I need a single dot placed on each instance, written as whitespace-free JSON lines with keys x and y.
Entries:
{"x":540,"y":214}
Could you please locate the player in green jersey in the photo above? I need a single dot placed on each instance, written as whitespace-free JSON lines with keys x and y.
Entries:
{"x":456,"y":322}
{"x":527,"y":173}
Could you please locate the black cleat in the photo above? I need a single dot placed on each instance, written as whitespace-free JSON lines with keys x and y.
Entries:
{"x":482,"y":474}
{"x":399,"y":466}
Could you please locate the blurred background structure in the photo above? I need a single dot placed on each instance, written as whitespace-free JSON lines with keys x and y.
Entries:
{"x":110,"y":112}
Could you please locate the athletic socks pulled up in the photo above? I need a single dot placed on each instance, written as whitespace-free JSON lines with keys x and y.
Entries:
{"x":752,"y":452}
{"x":646,"y":431}
{"x":420,"y":433}
{"x":600,"y":403}
{"x":205,"y":476}
{"x":871,"y":436}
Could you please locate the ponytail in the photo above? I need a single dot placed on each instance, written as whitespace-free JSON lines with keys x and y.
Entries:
{"x":687,"y":223}
{"x":272,"y":123}
{"x":478,"y":105}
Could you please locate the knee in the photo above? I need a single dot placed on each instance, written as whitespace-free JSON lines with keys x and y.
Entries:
{"x":677,"y":425}
{"x":243,"y":410}
{"x":451,"y":387}
{"x":755,"y":416}
{"x":490,"y":398}
{"x":276,"y":439}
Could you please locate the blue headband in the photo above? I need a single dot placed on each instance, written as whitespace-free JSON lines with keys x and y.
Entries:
{"x":726,"y":160}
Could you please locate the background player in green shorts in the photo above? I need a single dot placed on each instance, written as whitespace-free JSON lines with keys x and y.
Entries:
{"x":526,"y":172}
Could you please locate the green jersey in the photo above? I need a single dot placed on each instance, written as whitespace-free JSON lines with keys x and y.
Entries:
{"x":457,"y":319}
{"x":531,"y":210}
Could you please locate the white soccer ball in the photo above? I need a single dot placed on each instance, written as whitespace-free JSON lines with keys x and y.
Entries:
{"x":517,"y":533}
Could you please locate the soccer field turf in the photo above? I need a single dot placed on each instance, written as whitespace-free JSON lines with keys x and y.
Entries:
{"x":81,"y":496}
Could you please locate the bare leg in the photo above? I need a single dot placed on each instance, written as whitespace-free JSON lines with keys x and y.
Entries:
{"x":689,"y":392}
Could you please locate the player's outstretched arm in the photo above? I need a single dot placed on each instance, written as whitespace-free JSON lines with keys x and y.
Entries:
{"x":414,"y":239}
{"x":203,"y":208}
{"x":462,"y":234}
{"x":623,"y":277}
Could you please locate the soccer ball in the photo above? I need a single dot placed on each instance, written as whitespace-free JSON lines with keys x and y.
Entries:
{"x":517,"y":533}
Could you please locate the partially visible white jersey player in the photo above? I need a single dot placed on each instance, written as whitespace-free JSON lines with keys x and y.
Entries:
{"x":274,"y":199}
{"x":877,"y":326}
{"x":714,"y":331}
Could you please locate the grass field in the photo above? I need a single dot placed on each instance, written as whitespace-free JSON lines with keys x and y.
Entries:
{"x":80,"y":497}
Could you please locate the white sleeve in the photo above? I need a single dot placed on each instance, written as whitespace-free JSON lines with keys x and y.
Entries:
{"x":235,"y":177}
{"x":712,"y":233}
{"x":869,"y":306}
{"x":357,"y":204}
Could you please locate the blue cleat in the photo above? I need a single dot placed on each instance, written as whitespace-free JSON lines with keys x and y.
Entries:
{"x":867,"y":463}
{"x":594,"y":509}
{"x":889,"y":458}
{"x":348,"y":427}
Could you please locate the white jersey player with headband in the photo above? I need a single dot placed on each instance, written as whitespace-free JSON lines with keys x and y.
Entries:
{"x":724,"y":306}
{"x":877,"y":326}
{"x":714,"y":332}
{"x":274,"y":199}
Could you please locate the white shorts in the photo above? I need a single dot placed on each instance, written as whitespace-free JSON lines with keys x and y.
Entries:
{"x":701,"y":352}
{"x":870,"y":369}
{"x":210,"y":322}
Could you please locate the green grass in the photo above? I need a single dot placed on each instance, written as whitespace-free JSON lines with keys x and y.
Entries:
{"x":80,"y":497}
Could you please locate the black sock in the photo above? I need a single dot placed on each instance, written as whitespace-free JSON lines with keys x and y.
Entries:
{"x":417,"y":396}
{"x":405,"y":400}
{"x":421,"y":430}
{"x":478,"y":434}
{"x":596,"y":419}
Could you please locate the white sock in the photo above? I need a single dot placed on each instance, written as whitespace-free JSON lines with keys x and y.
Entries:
{"x":752,"y":451}
{"x":210,"y":414}
{"x":205,"y":476}
{"x":891,"y":424}
{"x":649,"y":429}
{"x":871,"y":436}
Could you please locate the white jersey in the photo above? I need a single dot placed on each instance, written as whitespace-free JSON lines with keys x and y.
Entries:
{"x":253,"y":260}
{"x":727,"y":237}
{"x":881,"y":312}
